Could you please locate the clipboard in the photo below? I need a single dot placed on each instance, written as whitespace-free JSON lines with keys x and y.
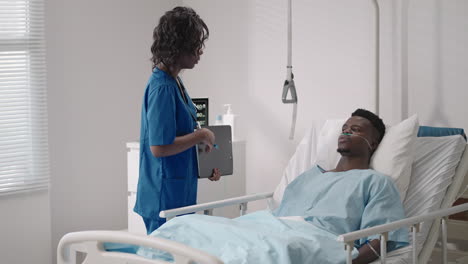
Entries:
{"x":220,"y":156}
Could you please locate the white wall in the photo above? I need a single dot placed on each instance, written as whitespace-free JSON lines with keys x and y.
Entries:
{"x":98,"y":65}
{"x":334,"y":67}
{"x":245,"y":64}
{"x":25,"y":228}
{"x":221,"y":74}
{"x":438,"y":62}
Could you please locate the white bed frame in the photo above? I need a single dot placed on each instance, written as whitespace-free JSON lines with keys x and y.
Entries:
{"x":91,"y":242}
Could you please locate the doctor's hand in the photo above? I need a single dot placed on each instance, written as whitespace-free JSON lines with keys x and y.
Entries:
{"x":216,"y":175}
{"x":208,"y":138}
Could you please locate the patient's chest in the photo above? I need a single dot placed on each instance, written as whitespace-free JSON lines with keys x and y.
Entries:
{"x":333,"y":201}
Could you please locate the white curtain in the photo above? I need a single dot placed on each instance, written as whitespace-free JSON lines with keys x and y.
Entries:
{"x":24,"y":158}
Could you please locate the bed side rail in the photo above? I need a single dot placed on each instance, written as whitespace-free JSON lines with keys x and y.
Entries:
{"x":412,"y":222}
{"x":90,"y":242}
{"x":207,"y":208}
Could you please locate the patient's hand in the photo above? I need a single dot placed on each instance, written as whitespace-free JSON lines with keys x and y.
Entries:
{"x":366,"y":254}
{"x":215,"y":175}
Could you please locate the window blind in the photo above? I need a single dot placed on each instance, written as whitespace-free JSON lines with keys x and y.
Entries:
{"x":24,"y":158}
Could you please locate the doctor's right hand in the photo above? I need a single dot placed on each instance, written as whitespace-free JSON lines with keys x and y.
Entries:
{"x":208,"y":138}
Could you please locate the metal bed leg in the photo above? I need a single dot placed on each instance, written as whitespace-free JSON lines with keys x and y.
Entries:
{"x":243,"y":208}
{"x":383,"y":247}
{"x":414,"y":231}
{"x":444,"y":239}
{"x":72,"y":254}
{"x":349,"y":250}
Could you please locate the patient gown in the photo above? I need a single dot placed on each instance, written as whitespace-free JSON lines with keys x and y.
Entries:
{"x":330,"y":204}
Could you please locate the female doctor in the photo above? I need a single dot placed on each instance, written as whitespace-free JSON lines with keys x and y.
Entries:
{"x":168,"y":160}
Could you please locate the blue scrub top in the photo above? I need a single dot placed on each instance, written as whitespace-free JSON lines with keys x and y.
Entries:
{"x":167,"y":182}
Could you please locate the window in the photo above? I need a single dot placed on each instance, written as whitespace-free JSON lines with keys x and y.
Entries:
{"x":24,"y":158}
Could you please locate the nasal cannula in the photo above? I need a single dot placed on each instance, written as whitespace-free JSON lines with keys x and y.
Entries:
{"x":349,"y":134}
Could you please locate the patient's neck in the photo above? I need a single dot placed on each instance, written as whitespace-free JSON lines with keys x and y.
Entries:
{"x":352,"y":163}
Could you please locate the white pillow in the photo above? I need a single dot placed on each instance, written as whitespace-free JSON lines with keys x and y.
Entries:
{"x":327,"y":144}
{"x":395,"y":154}
{"x":302,"y":160}
{"x":393,"y":157}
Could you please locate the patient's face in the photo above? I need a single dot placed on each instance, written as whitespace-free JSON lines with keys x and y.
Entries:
{"x":361,"y":130}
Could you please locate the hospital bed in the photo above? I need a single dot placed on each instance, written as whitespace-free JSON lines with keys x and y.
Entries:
{"x":427,"y":204}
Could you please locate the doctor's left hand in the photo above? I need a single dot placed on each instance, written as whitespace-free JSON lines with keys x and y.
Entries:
{"x":216,"y":175}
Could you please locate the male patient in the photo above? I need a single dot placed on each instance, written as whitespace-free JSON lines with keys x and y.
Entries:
{"x":351,"y":196}
{"x":327,"y":203}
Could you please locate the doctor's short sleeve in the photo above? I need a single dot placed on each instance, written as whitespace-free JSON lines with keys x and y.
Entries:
{"x":161,"y":116}
{"x":384,"y":206}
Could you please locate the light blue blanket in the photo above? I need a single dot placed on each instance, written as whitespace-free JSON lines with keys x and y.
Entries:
{"x":254,"y":238}
{"x":331,"y":203}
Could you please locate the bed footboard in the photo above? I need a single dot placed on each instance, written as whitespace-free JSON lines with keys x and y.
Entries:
{"x":91,"y":243}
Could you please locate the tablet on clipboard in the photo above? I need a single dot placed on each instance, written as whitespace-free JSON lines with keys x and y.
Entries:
{"x":220,"y":156}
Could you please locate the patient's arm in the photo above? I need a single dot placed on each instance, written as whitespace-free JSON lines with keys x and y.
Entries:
{"x":366,"y":255}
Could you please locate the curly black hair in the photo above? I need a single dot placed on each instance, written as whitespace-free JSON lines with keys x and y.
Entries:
{"x":375,"y":120}
{"x":180,"y":31}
